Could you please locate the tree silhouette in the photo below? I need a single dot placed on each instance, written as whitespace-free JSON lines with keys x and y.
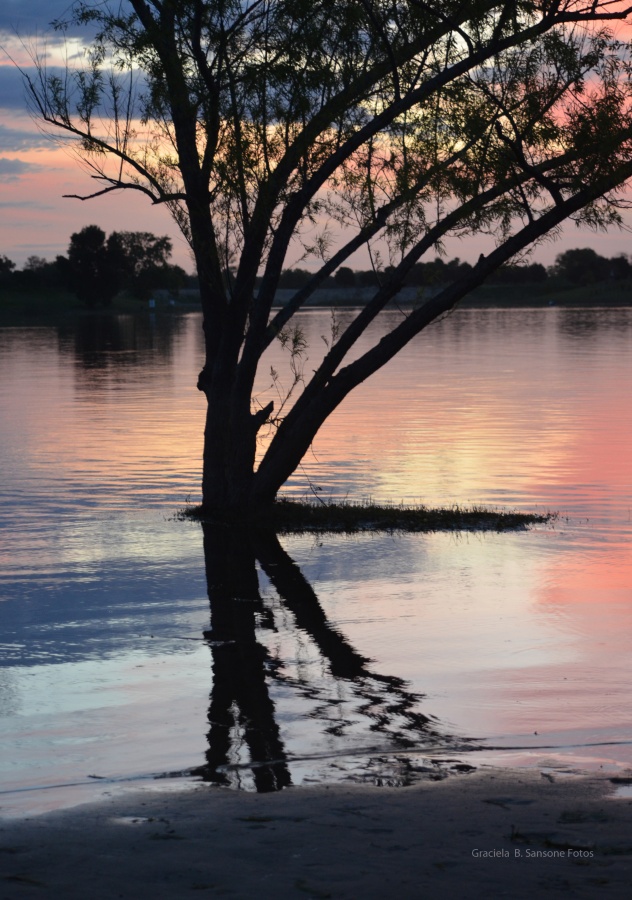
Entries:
{"x":270,"y":125}
{"x":91,"y":271}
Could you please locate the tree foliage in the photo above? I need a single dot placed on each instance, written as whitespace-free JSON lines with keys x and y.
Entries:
{"x":6,"y":265}
{"x":98,"y":267}
{"x":345,"y":277}
{"x":6,"y":270}
{"x":141,"y":260}
{"x":584,"y":266}
{"x":89,"y":270}
{"x":265,"y":125}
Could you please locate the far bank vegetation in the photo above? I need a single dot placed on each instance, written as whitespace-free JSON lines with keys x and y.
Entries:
{"x":102,"y":271}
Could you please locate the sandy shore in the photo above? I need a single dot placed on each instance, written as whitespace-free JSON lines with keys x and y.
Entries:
{"x":487,"y":834}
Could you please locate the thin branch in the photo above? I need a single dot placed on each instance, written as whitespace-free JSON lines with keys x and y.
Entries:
{"x":301,"y":424}
{"x":381,"y":218}
{"x":295,"y":207}
{"x":125,"y":186}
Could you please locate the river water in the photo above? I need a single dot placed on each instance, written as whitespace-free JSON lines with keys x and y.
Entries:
{"x":374,"y":658}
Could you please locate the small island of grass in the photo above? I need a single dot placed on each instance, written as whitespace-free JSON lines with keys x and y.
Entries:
{"x":298,"y":517}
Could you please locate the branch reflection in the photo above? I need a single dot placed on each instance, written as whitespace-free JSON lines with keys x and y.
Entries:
{"x":354,"y":706}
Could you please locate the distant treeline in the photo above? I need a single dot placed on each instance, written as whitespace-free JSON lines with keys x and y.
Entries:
{"x":573,"y":267}
{"x":97,"y":268}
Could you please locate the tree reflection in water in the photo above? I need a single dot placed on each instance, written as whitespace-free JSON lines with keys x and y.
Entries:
{"x":244,"y":732}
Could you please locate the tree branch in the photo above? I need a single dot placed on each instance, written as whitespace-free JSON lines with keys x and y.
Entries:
{"x":298,"y":429}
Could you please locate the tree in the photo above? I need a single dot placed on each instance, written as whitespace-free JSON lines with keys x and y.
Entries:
{"x":92,"y":276}
{"x":292,"y":279}
{"x":98,"y":268}
{"x":142,"y":261}
{"x":40,"y":273}
{"x":266,"y":124}
{"x":619,"y":268}
{"x":6,"y":270}
{"x":512,"y":273}
{"x":345,"y":277}
{"x":6,"y":265}
{"x":582,"y":266}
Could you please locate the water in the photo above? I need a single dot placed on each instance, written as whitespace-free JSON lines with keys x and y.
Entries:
{"x":371,"y":658}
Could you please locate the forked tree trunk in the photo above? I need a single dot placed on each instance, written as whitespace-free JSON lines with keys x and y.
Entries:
{"x":230,"y":432}
{"x":228,"y":461}
{"x":232,"y":490}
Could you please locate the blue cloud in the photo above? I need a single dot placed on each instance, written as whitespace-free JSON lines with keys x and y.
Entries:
{"x":25,"y":204}
{"x":34,"y":17}
{"x":12,"y":93}
{"x":16,"y":140}
{"x":12,"y":169}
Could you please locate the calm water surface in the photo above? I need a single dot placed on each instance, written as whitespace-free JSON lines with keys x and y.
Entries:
{"x":124,"y":656}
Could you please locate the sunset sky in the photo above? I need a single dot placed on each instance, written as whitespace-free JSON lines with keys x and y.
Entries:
{"x":35,"y":171}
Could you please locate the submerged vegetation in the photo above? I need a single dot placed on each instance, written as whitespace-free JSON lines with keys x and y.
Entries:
{"x":297,"y":517}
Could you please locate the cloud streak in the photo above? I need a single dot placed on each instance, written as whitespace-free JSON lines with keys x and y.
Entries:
{"x":25,"y":204}
{"x":34,"y":17}
{"x":12,"y":91}
{"x":18,"y":140}
{"x":13,"y":169}
{"x":14,"y":94}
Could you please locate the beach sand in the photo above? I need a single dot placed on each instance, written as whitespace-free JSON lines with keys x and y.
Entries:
{"x":488,"y":834}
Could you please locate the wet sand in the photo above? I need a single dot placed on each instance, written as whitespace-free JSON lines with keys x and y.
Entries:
{"x":487,"y":834}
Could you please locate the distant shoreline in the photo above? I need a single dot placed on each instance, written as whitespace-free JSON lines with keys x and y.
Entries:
{"x":24,"y":308}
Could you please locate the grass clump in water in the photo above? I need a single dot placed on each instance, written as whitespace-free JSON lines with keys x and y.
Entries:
{"x":296,"y":517}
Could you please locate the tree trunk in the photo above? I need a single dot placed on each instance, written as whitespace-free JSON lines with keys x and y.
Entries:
{"x":228,"y":461}
{"x":230,"y":433}
{"x":230,"y":446}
